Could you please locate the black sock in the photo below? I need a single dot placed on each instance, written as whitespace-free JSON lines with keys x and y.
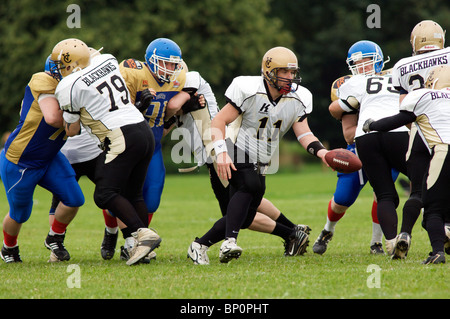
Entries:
{"x":387,"y":216}
{"x":436,"y":232}
{"x":282,"y":231}
{"x":411,"y":211}
{"x":215,"y":234}
{"x":284,"y":221}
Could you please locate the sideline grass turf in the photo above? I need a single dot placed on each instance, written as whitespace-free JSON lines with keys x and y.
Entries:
{"x":189,"y":209}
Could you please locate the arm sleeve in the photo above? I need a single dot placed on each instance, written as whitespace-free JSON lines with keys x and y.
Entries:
{"x":392,"y":122}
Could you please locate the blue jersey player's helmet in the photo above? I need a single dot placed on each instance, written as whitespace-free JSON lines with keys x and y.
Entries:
{"x":362,"y":50}
{"x":51,"y":68}
{"x":158,"y":53}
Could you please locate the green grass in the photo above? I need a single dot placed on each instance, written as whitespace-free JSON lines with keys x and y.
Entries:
{"x":189,"y":209}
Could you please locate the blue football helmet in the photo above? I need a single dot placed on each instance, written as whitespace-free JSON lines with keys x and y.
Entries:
{"x":362,"y":50}
{"x":158,"y":53}
{"x":51,"y":68}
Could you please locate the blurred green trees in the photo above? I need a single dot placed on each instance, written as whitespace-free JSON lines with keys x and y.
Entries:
{"x":219,"y":38}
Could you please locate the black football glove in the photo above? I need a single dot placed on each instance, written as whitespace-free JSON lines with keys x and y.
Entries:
{"x":192,"y":104}
{"x":170,"y":122}
{"x":145,"y":100}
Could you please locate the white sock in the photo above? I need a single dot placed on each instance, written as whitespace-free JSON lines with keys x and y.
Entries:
{"x":330,"y":226}
{"x":52,"y":233}
{"x":377,"y":234}
{"x":112,"y":230}
{"x":10,"y":246}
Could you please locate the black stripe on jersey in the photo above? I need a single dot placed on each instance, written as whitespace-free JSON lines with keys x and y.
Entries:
{"x":349,"y":106}
{"x":234,"y":105}
{"x":301,"y":118}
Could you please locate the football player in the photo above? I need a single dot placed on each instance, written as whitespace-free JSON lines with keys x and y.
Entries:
{"x":269,"y":105}
{"x":427,"y":41}
{"x":163,"y":73}
{"x":372,"y":95}
{"x":428,"y":108}
{"x":195,"y":128}
{"x":93,"y":93}
{"x":32,"y":157}
{"x":82,"y":152}
{"x":348,"y":186}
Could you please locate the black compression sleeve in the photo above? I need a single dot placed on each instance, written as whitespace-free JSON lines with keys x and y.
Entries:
{"x":392,"y":122}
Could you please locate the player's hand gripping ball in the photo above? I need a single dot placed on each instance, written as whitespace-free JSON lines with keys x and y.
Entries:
{"x":343,"y":160}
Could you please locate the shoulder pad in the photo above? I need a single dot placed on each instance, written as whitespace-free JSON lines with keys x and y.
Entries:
{"x":336,"y":84}
{"x":388,"y":71}
{"x":132,"y":64}
{"x":43,"y":83}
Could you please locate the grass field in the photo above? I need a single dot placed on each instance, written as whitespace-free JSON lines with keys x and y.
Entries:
{"x":188,"y":210}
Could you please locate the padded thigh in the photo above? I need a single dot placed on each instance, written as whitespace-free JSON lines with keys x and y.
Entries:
{"x":60,"y":180}
{"x":247,"y":179}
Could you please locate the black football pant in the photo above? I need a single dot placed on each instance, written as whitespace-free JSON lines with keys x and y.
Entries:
{"x":436,"y":197}
{"x":247,"y":189}
{"x":379,"y":153}
{"x":417,"y":161}
{"x":121,"y":171}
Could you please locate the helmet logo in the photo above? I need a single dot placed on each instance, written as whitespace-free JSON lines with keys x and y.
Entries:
{"x":66,"y":57}
{"x":268,"y":61}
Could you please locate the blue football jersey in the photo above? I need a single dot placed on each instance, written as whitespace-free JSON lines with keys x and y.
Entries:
{"x":34,"y":143}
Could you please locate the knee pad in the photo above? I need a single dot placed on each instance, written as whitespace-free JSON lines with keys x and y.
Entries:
{"x":389,"y":198}
{"x":103,"y":195}
{"x":21,"y":214}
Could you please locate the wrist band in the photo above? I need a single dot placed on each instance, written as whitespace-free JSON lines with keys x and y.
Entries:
{"x":314,"y":147}
{"x":220,"y":146}
{"x":303,"y":135}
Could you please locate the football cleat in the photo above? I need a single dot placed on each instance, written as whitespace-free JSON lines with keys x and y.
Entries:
{"x":402,"y":245}
{"x":108,"y":247}
{"x":321,"y":243}
{"x":10,"y":255}
{"x":297,"y":243}
{"x":447,"y":241}
{"x":304,"y":228}
{"x":55,"y":243}
{"x":147,"y":241}
{"x":390,"y":246}
{"x":229,"y":250}
{"x":198,"y":253}
{"x":438,"y":258}
{"x":377,"y":249}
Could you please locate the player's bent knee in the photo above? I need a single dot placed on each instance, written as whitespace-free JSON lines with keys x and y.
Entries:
{"x":102,"y":196}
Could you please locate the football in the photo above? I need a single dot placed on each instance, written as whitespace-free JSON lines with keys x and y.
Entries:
{"x":343,"y":160}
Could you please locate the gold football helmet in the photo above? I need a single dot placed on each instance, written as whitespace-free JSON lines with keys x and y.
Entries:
{"x":438,"y":78}
{"x":427,"y":36}
{"x":70,"y":55}
{"x":280,"y":58}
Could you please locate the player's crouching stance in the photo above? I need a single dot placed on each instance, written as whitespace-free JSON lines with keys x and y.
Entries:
{"x":269,"y":106}
{"x":93,"y":93}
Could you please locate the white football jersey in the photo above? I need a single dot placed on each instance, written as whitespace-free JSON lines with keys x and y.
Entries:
{"x":263,"y":121}
{"x":410,"y":73}
{"x":98,"y":97}
{"x":196,"y":126}
{"x":81,"y":148}
{"x":432,"y":109}
{"x":373,"y":96}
